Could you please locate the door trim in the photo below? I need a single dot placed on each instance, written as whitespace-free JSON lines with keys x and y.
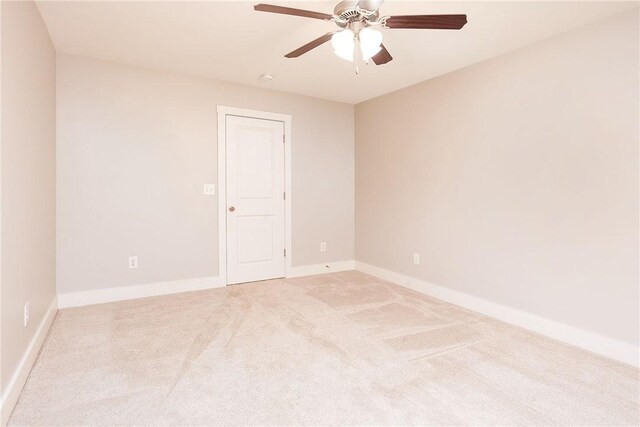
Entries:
{"x":223,"y":112}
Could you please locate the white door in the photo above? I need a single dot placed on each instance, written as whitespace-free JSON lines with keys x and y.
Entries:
{"x":255,"y":199}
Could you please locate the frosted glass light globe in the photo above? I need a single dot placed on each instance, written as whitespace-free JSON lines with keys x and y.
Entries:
{"x":343,"y":44}
{"x":370,"y":42}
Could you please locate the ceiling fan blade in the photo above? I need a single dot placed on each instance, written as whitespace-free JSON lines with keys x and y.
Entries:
{"x":311,"y":45}
{"x":291,"y":11}
{"x":437,"y":22}
{"x":382,"y":57}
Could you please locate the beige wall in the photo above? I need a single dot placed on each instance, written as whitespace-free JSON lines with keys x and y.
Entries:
{"x":135,"y":147}
{"x":28,"y":177}
{"x":515,"y":179}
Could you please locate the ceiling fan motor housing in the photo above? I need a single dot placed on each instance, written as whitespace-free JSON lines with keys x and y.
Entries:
{"x":351,"y":11}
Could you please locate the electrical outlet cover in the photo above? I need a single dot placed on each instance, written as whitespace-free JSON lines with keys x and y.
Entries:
{"x":26,"y":314}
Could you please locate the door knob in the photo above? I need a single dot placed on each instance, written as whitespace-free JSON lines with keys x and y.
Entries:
{"x":231,"y":209}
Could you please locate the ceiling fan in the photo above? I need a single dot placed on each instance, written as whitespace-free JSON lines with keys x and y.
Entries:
{"x":357,"y":34}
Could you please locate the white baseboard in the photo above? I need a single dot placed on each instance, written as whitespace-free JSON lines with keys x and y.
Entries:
{"x":121,"y":293}
{"x":99,"y":296}
{"x":609,"y":347}
{"x":14,"y":388}
{"x":329,"y":267}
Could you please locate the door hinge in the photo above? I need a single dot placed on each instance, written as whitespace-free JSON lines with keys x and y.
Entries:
{"x":285,"y":252}
{"x":284,"y":196}
{"x":283,"y":139}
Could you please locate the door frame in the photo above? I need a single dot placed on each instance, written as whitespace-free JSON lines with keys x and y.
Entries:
{"x":223,"y":112}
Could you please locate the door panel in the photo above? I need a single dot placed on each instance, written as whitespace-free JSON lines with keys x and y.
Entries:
{"x":255,"y":164}
{"x":255,"y":199}
{"x":255,"y":237}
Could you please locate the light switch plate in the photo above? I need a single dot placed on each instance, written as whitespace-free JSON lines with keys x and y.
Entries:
{"x":133,"y":261}
{"x":416,"y":259}
{"x":209,"y":190}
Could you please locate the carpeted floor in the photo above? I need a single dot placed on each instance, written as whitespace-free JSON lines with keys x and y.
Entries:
{"x":341,"y":348}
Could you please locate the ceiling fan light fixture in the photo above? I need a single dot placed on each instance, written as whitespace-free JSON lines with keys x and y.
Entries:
{"x":370,"y":42}
{"x":343,"y":43}
{"x":356,"y":36}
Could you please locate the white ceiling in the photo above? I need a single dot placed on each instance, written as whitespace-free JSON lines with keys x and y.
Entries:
{"x":230,"y":41}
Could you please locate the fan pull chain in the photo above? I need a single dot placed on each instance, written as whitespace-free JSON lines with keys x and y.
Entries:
{"x":357,"y":54}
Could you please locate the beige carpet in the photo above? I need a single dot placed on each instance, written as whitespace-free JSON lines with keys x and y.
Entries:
{"x":343,"y":348}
